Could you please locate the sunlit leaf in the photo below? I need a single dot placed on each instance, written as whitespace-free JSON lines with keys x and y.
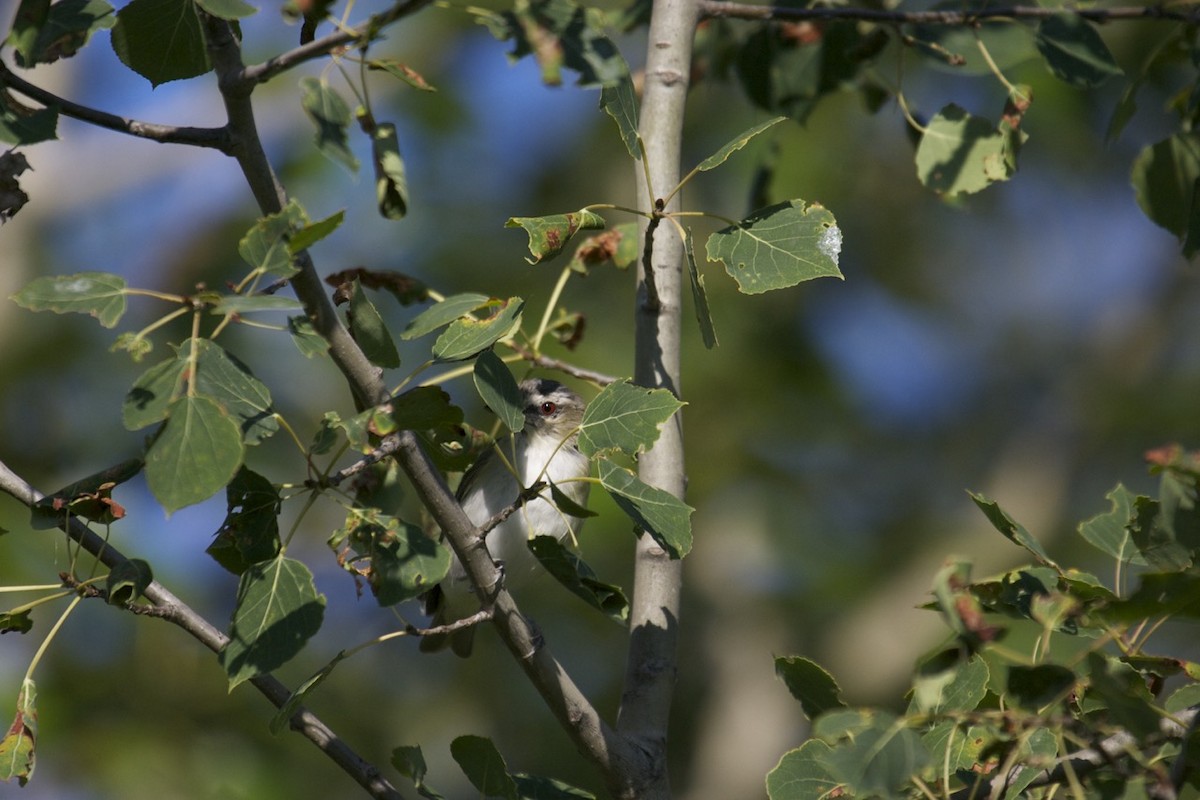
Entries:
{"x":483,"y":765}
{"x":139,"y":42}
{"x":1110,"y":532}
{"x":17,"y":748}
{"x":878,"y":760}
{"x":100,"y":294}
{"x":960,"y":153}
{"x":331,"y":116}
{"x":666,"y":518}
{"x":619,"y":101}
{"x":278,"y":610}
{"x":195,"y":454}
{"x":314,"y":232}
{"x":948,"y":683}
{"x":443,"y":313}
{"x":625,"y":417}
{"x":579,"y":579}
{"x":809,"y":683}
{"x":737,"y":143}
{"x":466,"y":337}
{"x":405,"y":562}
{"x":401,"y":71}
{"x":391,"y":185}
{"x":618,"y":246}
{"x":247,"y":304}
{"x":548,"y":236}
{"x":559,"y":33}
{"x":801,"y":774}
{"x":1011,"y":529}
{"x":369,"y":330}
{"x":496,"y":385}
{"x":56,"y":31}
{"x":266,"y":245}
{"x":1074,"y":51}
{"x":699,"y":297}
{"x":779,"y":246}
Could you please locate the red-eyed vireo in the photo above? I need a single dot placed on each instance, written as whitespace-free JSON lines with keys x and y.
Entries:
{"x":544,"y":450}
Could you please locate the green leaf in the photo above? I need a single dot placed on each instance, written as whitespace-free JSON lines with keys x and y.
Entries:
{"x":779,"y":246}
{"x":314,"y":232}
{"x":737,"y":143}
{"x":1035,"y":687}
{"x":405,"y":563}
{"x":809,"y":683}
{"x":43,"y":33}
{"x":305,"y":337}
{"x":221,"y":376}
{"x":152,"y":393}
{"x":659,"y":513}
{"x":498,"y":388}
{"x":618,"y":245}
{"x":128,"y":581}
{"x":227,"y":9}
{"x":409,"y":761}
{"x":467,"y":337}
{"x":949,"y":684}
{"x":266,"y":245}
{"x":625,"y":417}
{"x":278,"y":610}
{"x":100,"y":294}
{"x":1159,"y":595}
{"x":16,"y":621}
{"x":483,"y":765}
{"x":1124,"y":695}
{"x":20,"y":124}
{"x":250,"y":532}
{"x":961,"y":153}
{"x":403,"y":72}
{"x":1074,"y":51}
{"x":17,"y":748}
{"x":391,"y":185}
{"x":246,"y":304}
{"x":368,"y":329}
{"x":801,"y":774}
{"x":420,"y":409}
{"x":536,"y":787}
{"x":879,"y":760}
{"x":699,"y":297}
{"x":195,"y":454}
{"x":331,"y":116}
{"x":1110,"y":533}
{"x":139,"y":41}
{"x":1165,"y":178}
{"x":579,"y":579}
{"x":1183,"y":698}
{"x":1012,"y":529}
{"x":443,"y":313}
{"x":548,"y":236}
{"x":89,"y":498}
{"x":559,"y":33}
{"x":564,"y":503}
{"x":619,"y":101}
{"x":296,"y":698}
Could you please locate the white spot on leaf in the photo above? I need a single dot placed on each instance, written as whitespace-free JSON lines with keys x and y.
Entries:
{"x":830,"y":243}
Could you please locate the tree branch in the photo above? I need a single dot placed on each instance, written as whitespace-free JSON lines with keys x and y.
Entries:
{"x":215,"y":138}
{"x":565,"y":367}
{"x":735,"y":10}
{"x":180,"y":614}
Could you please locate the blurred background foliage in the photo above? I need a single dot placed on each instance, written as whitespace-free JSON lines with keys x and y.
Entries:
{"x":1029,"y":343}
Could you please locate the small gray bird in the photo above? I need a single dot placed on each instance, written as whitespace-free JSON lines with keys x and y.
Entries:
{"x":544,"y":450}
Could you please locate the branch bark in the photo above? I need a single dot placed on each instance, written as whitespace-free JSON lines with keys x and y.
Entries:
{"x":654,"y":617}
{"x":736,"y":10}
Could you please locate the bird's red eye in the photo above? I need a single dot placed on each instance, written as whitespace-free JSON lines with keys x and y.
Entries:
{"x":547,"y":408}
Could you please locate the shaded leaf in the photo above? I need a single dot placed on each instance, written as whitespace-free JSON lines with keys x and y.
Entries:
{"x":100,"y":294}
{"x":1035,"y":687}
{"x":1109,"y":532}
{"x":314,"y":232}
{"x":305,"y":337}
{"x":625,"y":417}
{"x":195,"y":454}
{"x":467,"y":337}
{"x":536,"y":787}
{"x":20,"y":124}
{"x":483,"y":765}
{"x":138,"y":40}
{"x":27,"y":23}
{"x":809,"y":683}
{"x":960,"y":153}
{"x":128,"y":581}
{"x":278,"y":610}
{"x":1074,"y":51}
{"x":443,"y":313}
{"x":498,"y":388}
{"x":16,"y":621}
{"x":331,"y":116}
{"x":950,"y":685}
{"x":89,"y":498}
{"x":266,"y":245}
{"x":281,"y":717}
{"x":879,"y":760}
{"x":17,"y":748}
{"x":548,"y":236}
{"x":1123,"y":693}
{"x":246,"y":304}
{"x":391,"y":185}
{"x":735,"y":144}
{"x":1165,"y":178}
{"x":12,"y":197}
{"x":618,"y":245}
{"x":779,"y":246}
{"x":420,"y":409}
{"x":405,"y":288}
{"x":405,"y":563}
{"x":409,"y":761}
{"x":620,"y":103}
{"x":368,"y":329}
{"x":666,"y":518}
{"x":401,"y":71}
{"x":801,"y":774}
{"x":579,"y":579}
{"x":250,"y":531}
{"x":559,"y":33}
{"x":59,"y":30}
{"x":227,"y":9}
{"x":699,"y":297}
{"x":1011,"y":529}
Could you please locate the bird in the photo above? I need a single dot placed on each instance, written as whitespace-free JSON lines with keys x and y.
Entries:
{"x":545,"y":449}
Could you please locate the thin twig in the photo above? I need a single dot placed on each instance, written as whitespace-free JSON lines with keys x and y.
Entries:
{"x":482,"y":615}
{"x":735,"y":10}
{"x":565,"y":367}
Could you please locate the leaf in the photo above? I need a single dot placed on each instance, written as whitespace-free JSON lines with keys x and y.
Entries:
{"x":878,"y":760}
{"x":391,"y":186}
{"x":1124,"y":695}
{"x":625,"y":417}
{"x":409,"y":761}
{"x":699,"y":297}
{"x":59,"y":30}
{"x":1183,"y":698}
{"x":331,"y":116}
{"x":89,"y":498}
{"x":250,"y":531}
{"x":128,"y":581}
{"x":1036,"y":687}
{"x":12,"y":164}
{"x":1011,"y":529}
{"x":227,"y":9}
{"x":618,"y":245}
{"x":139,"y":41}
{"x":100,"y":294}
{"x":620,"y":103}
{"x":17,"y":748}
{"x":949,"y":685}
{"x":960,"y":153}
{"x":405,"y":563}
{"x":1110,"y":533}
{"x":420,"y":409}
{"x":1165,"y":177}
{"x":246,"y":304}
{"x":579,"y":579}
{"x":483,"y":765}
{"x":20,"y":125}
{"x":266,"y":245}
{"x":659,"y":513}
{"x":468,"y":337}
{"x":401,"y":71}
{"x":801,"y":774}
{"x":779,"y":246}
{"x":314,"y":232}
{"x":1074,"y":51}
{"x":195,"y":454}
{"x":559,"y":33}
{"x":809,"y":683}
{"x":278,"y":610}
{"x":305,"y":337}
{"x":368,"y":329}
{"x":548,"y":236}
{"x":296,"y":698}
{"x":498,"y":388}
{"x":536,"y":787}
{"x":16,"y":621}
{"x":737,"y":143}
{"x":443,"y":313}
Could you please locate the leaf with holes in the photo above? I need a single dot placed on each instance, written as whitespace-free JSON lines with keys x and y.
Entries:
{"x":17,"y":748}
{"x":467,"y":337}
{"x":779,"y":246}
{"x":548,"y":236}
{"x":331,"y":116}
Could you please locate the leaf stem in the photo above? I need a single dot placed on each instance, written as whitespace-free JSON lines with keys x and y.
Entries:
{"x":551,"y":304}
{"x":50,"y":636}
